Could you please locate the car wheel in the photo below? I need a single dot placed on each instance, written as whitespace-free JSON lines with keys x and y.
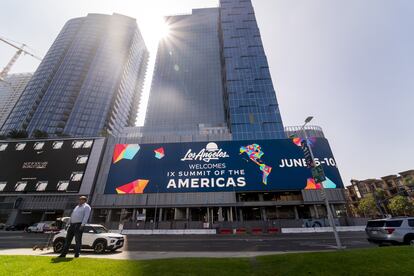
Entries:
{"x":58,"y":245}
{"x":99,"y":247}
{"x":409,"y":239}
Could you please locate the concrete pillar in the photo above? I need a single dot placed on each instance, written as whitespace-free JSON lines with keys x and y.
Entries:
{"x":240,"y":214}
{"x":67,"y":213}
{"x":91,"y":215}
{"x":277,"y":212}
{"x":12,"y":217}
{"x":316,"y":211}
{"x":179,"y":214}
{"x":187,"y":213}
{"x":159,"y":210}
{"x":208,"y":215}
{"x":134,"y":214}
{"x":263,"y":213}
{"x":108,"y":216}
{"x":220,"y":214}
{"x":333,"y":209}
{"x":296,"y":212}
{"x":43,"y":218}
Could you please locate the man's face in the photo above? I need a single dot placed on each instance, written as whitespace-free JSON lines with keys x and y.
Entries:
{"x":81,"y":201}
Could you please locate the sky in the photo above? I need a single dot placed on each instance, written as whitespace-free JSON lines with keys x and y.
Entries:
{"x":350,"y":64}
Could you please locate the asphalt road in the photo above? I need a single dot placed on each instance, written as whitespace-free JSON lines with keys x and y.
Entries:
{"x":210,"y":243}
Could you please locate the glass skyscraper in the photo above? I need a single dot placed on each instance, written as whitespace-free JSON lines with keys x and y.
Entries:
{"x":10,"y":91}
{"x":187,"y":90}
{"x":211,"y":76}
{"x":89,"y":82}
{"x":252,"y":104}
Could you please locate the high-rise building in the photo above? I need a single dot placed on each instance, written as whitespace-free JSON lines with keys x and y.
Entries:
{"x":89,"y":82}
{"x":253,"y":108}
{"x":212,"y":102}
{"x":187,"y":90}
{"x":211,"y":73}
{"x":10,"y":90}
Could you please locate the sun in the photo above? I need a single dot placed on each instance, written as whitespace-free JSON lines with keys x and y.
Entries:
{"x":163,"y":30}
{"x":159,"y":29}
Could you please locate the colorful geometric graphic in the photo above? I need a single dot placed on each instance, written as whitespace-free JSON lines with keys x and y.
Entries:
{"x":255,"y":153}
{"x":327,"y":184}
{"x":125,"y":151}
{"x":159,"y":153}
{"x":134,"y":187}
{"x":298,"y":141}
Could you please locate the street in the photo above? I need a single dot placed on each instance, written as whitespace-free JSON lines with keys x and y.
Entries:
{"x":210,"y":243}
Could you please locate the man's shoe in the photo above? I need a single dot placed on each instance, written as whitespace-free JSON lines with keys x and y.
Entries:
{"x":76,"y":256}
{"x":62,"y":256}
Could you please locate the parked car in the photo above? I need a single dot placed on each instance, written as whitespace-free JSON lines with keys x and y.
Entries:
{"x":50,"y":226}
{"x":95,"y":236}
{"x":36,"y":227}
{"x":391,"y":231}
{"x":17,"y":227}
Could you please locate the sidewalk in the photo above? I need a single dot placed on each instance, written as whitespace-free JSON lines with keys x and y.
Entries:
{"x":147,"y":255}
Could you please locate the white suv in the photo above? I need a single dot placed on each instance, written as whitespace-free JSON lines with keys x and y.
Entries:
{"x":95,"y":236}
{"x":391,"y":231}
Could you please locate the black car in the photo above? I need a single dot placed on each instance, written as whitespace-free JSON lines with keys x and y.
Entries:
{"x":17,"y":227}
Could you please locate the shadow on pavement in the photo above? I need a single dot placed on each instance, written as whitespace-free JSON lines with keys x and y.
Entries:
{"x":84,"y":253}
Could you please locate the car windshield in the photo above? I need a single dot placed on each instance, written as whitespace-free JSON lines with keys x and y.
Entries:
{"x":100,"y":229}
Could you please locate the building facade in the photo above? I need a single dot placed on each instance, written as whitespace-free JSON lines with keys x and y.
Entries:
{"x":41,"y":180}
{"x":390,"y":185}
{"x":252,"y":105}
{"x":283,"y":206}
{"x":211,"y":75}
{"x":211,"y":83}
{"x":187,"y":91}
{"x":89,"y":82}
{"x":11,"y":89}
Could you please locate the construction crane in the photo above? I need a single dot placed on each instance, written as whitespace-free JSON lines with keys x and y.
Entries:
{"x":20,"y":50}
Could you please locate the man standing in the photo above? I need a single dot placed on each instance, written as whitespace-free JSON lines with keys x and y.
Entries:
{"x":78,"y":219}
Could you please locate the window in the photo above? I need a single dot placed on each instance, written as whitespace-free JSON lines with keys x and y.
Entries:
{"x":411,"y":222}
{"x":375,"y":223}
{"x":87,"y":229}
{"x":393,"y":223}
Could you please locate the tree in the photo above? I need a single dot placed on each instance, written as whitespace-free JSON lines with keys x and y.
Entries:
{"x":17,"y":134}
{"x":380,"y":197}
{"x":400,"y":205}
{"x":37,"y":133}
{"x":367,"y":206}
{"x":409,"y":181}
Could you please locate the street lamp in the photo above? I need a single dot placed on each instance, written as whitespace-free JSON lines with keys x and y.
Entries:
{"x":323,"y":193}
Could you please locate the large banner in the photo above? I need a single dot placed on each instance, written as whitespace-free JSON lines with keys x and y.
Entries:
{"x":43,"y":166}
{"x":261,"y":165}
